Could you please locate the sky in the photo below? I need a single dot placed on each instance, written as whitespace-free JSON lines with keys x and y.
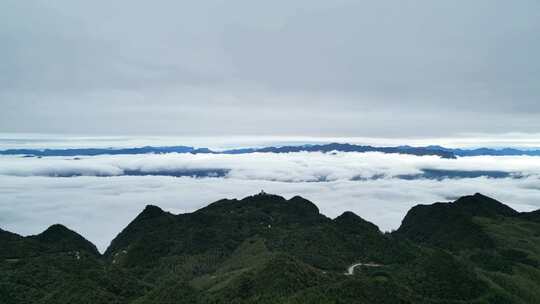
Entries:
{"x":289,"y":68}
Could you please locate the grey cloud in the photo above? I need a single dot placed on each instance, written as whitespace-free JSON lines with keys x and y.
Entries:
{"x":337,"y":68}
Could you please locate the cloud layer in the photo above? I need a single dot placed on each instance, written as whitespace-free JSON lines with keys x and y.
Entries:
{"x":284,"y":167}
{"x":99,"y":208}
{"x":102,"y":201}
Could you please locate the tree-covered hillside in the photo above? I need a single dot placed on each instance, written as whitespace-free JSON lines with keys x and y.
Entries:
{"x":266,"y":249}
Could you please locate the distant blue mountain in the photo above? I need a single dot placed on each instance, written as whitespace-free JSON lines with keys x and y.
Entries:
{"x":441,"y":174}
{"x":325,"y":148}
{"x":195,"y":173}
{"x":488,"y":151}
{"x":420,"y":151}
{"x":103,"y":151}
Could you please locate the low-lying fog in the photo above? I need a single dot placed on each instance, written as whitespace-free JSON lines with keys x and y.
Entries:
{"x":97,"y":196}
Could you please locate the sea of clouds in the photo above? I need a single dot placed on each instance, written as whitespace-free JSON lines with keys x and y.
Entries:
{"x":284,"y":167}
{"x":98,"y":199}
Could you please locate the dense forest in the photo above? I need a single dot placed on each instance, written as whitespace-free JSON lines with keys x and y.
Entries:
{"x":267,"y":249}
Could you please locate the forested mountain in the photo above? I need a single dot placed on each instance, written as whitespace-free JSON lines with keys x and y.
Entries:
{"x":267,"y":249}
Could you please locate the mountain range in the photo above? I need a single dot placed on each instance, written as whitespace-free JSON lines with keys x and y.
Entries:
{"x":325,"y":148}
{"x":268,"y":249}
{"x":186,"y":149}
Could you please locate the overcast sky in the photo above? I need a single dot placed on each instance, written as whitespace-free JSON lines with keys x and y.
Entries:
{"x":302,"y":68}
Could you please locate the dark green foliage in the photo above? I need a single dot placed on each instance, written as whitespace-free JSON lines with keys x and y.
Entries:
{"x":490,"y":260}
{"x":266,"y":249}
{"x":531,"y":216}
{"x":356,"y":290}
{"x":62,"y":278}
{"x":439,"y":275}
{"x":13,"y":246}
{"x":352,"y":223}
{"x":171,"y":292}
{"x":481,"y":205}
{"x":279,"y":277}
{"x":451,"y":226}
{"x":58,"y":238}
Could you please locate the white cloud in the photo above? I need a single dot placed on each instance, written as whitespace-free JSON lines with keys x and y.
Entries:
{"x":286,"y":167}
{"x":99,"y":207}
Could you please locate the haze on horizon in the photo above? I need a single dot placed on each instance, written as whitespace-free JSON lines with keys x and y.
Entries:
{"x":291,"y":68}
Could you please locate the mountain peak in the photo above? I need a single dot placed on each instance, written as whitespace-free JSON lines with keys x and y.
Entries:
{"x":451,"y":225}
{"x":297,"y":205}
{"x":348,"y":215}
{"x":151,"y":211}
{"x":60,"y":238}
{"x":304,"y":205}
{"x":264,"y":196}
{"x":55,"y":232}
{"x":481,"y":205}
{"x":351,"y":220}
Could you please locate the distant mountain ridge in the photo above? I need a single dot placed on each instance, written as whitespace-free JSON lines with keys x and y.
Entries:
{"x":186,"y":149}
{"x":325,"y":148}
{"x":268,"y":249}
{"x":488,"y":151}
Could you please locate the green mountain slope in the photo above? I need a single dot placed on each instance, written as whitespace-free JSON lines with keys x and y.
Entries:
{"x":267,"y":249}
